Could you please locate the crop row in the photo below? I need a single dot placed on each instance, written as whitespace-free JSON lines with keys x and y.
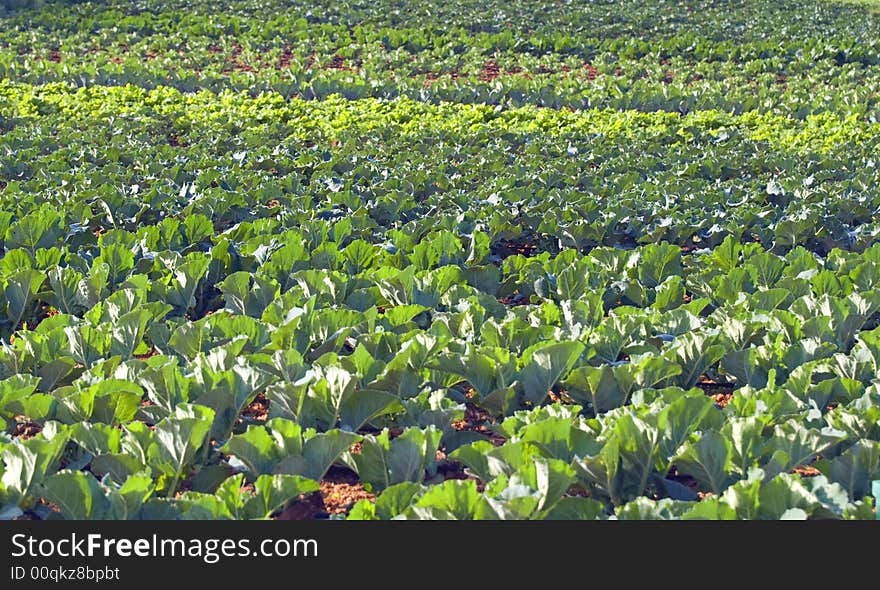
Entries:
{"x":136,"y":160}
{"x":730,"y":56}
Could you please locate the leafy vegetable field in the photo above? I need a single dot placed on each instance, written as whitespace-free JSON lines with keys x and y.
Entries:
{"x":471,"y":260}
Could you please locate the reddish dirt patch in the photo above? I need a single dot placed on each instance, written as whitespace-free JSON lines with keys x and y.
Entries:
{"x":782,"y":80}
{"x":150,"y":353}
{"x":722,"y":399}
{"x":55,"y":56}
{"x":258,"y":409}
{"x":490,"y":71}
{"x":668,"y":77}
{"x":592,"y":71}
{"x":340,"y":497}
{"x":476,"y":419}
{"x":514,"y":300}
{"x":286,"y":58}
{"x":542,"y":69}
{"x":307,"y":507}
{"x":43,"y":311}
{"x":25,"y":429}
{"x":722,"y":392}
{"x":806,"y":471}
{"x":52,"y":506}
{"x":243,"y":67}
{"x":116,"y":59}
{"x":341,"y":489}
{"x":150,"y":55}
{"x":430,"y":78}
{"x":560,"y":397}
{"x":338,"y":63}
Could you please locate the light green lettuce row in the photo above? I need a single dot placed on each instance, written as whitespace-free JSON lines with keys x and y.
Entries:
{"x":330,"y":117}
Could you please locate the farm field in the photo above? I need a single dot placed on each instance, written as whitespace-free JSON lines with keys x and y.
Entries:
{"x":468,"y":260}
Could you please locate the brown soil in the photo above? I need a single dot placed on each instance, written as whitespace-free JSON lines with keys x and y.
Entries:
{"x":490,"y":71}
{"x":52,"y":506}
{"x":592,"y":71}
{"x":476,"y":419}
{"x":806,"y":471}
{"x":25,"y":429}
{"x":258,"y":409}
{"x":340,"y":497}
{"x":341,"y":489}
{"x":338,"y":63}
{"x":55,"y":56}
{"x":3,"y":184}
{"x":722,"y":392}
{"x":430,"y":78}
{"x":307,"y":507}
{"x":286,"y":58}
{"x":722,"y":399}
{"x":505,"y":248}
{"x":513,"y":300}
{"x":152,"y":352}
